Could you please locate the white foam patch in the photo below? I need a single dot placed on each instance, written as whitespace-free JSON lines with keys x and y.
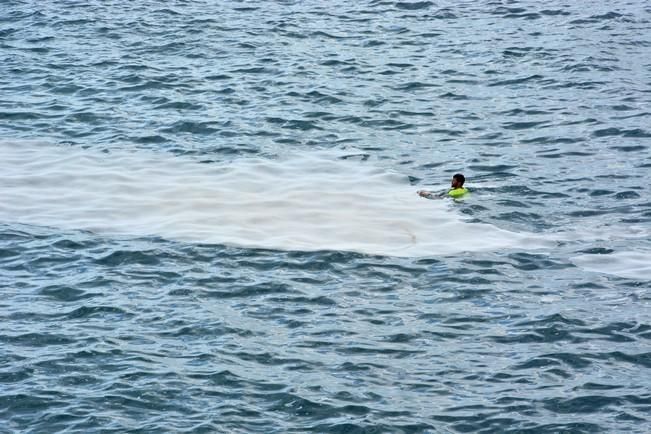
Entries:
{"x":307,"y":202}
{"x":632,"y":265}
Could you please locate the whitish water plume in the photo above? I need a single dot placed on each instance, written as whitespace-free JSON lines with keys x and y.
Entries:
{"x":629,"y":264}
{"x":313,"y":201}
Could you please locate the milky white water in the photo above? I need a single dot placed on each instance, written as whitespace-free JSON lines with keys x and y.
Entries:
{"x":315,"y":201}
{"x":633,"y":265}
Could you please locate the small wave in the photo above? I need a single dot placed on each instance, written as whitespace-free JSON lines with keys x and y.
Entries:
{"x":522,"y":125}
{"x":415,"y":85}
{"x":554,"y":12}
{"x":413,"y":6}
{"x":637,"y":132}
{"x":517,"y":80}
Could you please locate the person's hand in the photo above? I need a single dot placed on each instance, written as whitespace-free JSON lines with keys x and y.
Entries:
{"x":423,"y":193}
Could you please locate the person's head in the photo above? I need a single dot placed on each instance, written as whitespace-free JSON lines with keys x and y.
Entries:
{"x":458,"y":180}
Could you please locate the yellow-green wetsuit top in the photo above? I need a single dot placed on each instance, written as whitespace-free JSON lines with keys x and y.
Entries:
{"x":457,"y":192}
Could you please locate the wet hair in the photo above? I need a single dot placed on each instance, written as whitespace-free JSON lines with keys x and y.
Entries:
{"x":460,"y":178}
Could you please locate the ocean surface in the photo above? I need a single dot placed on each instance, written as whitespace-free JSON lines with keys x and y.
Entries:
{"x":209,"y":219}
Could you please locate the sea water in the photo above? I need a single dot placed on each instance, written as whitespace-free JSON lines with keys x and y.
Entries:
{"x":209,"y":219}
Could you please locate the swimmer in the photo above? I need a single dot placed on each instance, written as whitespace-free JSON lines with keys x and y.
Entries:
{"x":456,"y":189}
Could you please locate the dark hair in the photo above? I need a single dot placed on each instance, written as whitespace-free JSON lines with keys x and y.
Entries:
{"x":459,"y":177}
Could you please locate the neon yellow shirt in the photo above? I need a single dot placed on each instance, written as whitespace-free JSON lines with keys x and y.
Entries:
{"x":457,"y":192}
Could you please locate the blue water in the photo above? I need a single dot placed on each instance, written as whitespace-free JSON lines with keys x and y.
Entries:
{"x":130,"y":130}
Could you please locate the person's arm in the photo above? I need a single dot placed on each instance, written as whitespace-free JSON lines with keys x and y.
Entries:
{"x":429,"y":195}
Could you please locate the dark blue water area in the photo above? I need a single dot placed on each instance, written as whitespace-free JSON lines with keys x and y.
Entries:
{"x":545,"y":107}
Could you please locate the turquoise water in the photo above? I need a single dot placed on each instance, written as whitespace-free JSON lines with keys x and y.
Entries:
{"x":208,"y":217}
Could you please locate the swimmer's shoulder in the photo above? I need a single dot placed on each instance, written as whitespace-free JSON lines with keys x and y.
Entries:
{"x":458,"y":192}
